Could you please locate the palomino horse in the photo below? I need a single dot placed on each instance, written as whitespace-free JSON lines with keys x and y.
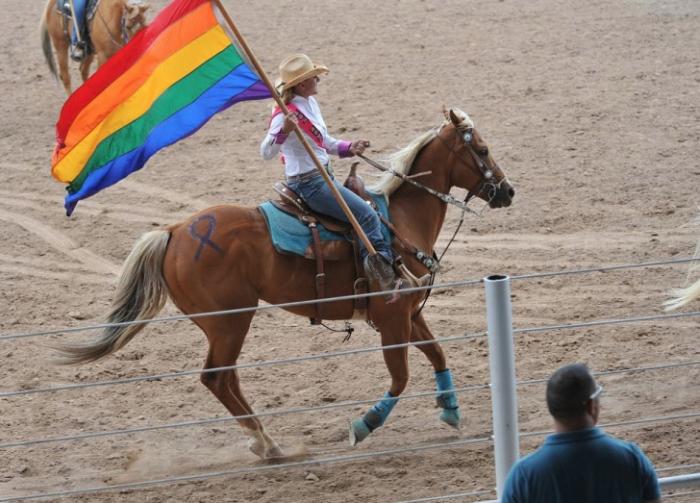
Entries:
{"x":115,"y":22}
{"x":222,"y":258}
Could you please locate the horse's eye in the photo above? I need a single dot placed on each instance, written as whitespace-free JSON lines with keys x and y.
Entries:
{"x":484,"y":152}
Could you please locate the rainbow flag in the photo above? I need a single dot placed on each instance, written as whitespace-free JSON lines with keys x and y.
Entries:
{"x":165,"y":84}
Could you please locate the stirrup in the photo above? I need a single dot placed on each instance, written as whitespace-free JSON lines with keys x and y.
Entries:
{"x":412,"y":278}
{"x":393,"y":295}
{"x":379,"y":269}
{"x":78,"y":51}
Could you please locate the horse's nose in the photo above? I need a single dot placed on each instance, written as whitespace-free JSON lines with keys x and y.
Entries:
{"x":511,"y":192}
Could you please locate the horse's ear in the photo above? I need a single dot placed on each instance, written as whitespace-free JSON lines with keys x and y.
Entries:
{"x":455,"y":120}
{"x":144,"y":7}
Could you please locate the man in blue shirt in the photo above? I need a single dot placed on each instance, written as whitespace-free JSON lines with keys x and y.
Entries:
{"x":580,"y":463}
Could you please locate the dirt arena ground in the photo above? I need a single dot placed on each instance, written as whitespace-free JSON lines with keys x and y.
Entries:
{"x":592,"y":108}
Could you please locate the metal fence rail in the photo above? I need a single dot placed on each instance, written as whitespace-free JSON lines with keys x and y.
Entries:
{"x":668,"y":482}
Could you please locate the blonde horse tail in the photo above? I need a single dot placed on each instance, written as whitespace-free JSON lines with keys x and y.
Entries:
{"x":46,"y":41}
{"x":683,"y":296}
{"x":141,"y":294}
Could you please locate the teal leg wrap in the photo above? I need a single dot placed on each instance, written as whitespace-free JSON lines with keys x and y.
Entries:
{"x":373,"y":419}
{"x":447,"y":400}
{"x":376,"y":416}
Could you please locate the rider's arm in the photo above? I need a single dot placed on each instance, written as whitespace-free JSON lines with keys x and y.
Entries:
{"x":341,"y":148}
{"x":270,"y":146}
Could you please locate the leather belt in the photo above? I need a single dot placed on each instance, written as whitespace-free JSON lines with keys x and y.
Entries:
{"x":303,"y":177}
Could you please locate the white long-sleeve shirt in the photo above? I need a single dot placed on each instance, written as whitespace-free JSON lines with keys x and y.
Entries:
{"x":296,"y":160}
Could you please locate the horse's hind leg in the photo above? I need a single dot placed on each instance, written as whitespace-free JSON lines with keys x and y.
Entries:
{"x":226,"y":335}
{"x":443,"y":377}
{"x":62,"y":58}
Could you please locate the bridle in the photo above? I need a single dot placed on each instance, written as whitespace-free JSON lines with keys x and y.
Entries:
{"x":486,"y":183}
{"x":125,"y":29}
{"x":487,"y":173}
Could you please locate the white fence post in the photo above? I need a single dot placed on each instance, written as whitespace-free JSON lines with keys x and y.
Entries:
{"x":502,"y":362}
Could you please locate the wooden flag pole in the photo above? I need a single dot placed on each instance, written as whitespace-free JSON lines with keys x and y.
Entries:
{"x":283,"y":107}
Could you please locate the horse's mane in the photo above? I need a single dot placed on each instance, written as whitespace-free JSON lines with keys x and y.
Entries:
{"x":401,"y":162}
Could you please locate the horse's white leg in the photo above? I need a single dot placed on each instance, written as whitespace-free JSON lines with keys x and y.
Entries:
{"x":262,"y":445}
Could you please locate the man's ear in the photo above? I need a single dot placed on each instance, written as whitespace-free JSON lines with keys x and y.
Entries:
{"x":593,"y":409}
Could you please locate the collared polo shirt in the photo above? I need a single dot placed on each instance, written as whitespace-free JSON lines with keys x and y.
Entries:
{"x":586,"y":466}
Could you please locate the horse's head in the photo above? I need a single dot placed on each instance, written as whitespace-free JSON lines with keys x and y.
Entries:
{"x":471,"y":164}
{"x":134,"y":18}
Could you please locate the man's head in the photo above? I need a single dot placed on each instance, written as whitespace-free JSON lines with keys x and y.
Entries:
{"x":572,"y":397}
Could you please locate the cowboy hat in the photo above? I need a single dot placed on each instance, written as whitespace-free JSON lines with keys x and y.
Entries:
{"x":295,"y":69}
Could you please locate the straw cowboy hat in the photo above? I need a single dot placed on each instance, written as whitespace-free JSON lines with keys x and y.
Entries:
{"x":295,"y":69}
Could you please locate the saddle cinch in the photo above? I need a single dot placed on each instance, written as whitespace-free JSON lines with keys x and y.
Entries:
{"x":331,"y":239}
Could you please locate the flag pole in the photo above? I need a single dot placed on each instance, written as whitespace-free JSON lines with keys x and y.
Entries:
{"x":283,"y":107}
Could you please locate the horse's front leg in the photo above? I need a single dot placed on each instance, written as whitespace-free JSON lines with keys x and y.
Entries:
{"x":447,"y":400}
{"x":396,"y":332}
{"x":85,"y":66}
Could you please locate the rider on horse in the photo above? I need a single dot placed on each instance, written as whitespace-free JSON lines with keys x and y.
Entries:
{"x":297,"y":84}
{"x":79,"y":33}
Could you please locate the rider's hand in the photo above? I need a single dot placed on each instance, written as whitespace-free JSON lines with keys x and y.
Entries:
{"x":358,"y":147}
{"x":289,"y":121}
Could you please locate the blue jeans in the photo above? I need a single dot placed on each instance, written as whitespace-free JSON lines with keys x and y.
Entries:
{"x":317,"y":194}
{"x":79,"y":9}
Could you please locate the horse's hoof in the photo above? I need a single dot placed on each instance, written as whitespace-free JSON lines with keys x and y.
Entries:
{"x":274,"y":452}
{"x":450,"y":417}
{"x":256,"y":447}
{"x":358,"y":432}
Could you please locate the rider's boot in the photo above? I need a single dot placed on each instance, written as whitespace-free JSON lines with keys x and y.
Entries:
{"x":77,"y":51}
{"x":379,"y":269}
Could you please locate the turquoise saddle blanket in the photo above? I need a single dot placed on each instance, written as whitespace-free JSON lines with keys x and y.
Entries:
{"x":291,"y":235}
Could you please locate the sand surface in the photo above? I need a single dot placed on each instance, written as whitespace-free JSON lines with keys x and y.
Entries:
{"x":593,"y":110}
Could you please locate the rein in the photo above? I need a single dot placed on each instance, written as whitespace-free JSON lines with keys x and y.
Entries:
{"x":433,"y":263}
{"x":446,"y":198}
{"x":124,"y":31}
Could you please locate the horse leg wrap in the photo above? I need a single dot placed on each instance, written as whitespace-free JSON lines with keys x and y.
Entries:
{"x":373,"y":419}
{"x":448,"y":399}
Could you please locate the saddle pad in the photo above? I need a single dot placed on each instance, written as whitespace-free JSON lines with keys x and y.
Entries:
{"x":291,"y":235}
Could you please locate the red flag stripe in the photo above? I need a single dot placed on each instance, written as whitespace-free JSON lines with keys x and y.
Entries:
{"x":120,"y":62}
